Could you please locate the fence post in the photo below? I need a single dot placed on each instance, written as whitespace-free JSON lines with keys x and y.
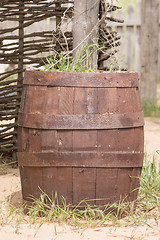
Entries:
{"x":130,"y":36}
{"x":85,"y":27}
{"x":149,"y":49}
{"x":120,"y":30}
{"x":20,"y":73}
{"x":138,"y":38}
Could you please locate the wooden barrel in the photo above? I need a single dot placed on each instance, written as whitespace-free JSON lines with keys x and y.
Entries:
{"x":80,"y":135}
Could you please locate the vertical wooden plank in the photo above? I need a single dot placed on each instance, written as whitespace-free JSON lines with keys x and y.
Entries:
{"x":35,"y":99}
{"x":35,"y":140}
{"x":23,"y":139}
{"x":149,"y":51}
{"x":49,"y":142}
{"x":107,"y":103}
{"x":35,"y":181}
{"x":85,"y":102}
{"x":31,"y":180}
{"x":137,"y":99}
{"x":139,"y":139}
{"x":60,"y":101}
{"x":58,"y":180}
{"x":136,"y":173}
{"x":58,"y":18}
{"x":107,"y":100}
{"x":124,"y":100}
{"x":84,"y":180}
{"x":19,"y":139}
{"x":91,"y":100}
{"x":85,"y":140}
{"x":85,"y":28}
{"x":121,"y":61}
{"x":52,"y":100}
{"x":27,"y":94}
{"x":136,"y":104}
{"x":92,"y":30}
{"x":138,"y":39}
{"x":66,"y":102}
{"x":130,"y":36}
{"x":80,"y":101}
{"x":123,"y":183}
{"x":36,"y":103}
{"x":106,"y":185}
{"x":66,"y":96}
{"x":107,"y":141}
{"x":20,"y":73}
{"x":23,"y":98}
{"x":49,"y":138}
{"x":21,"y":44}
{"x":25,"y":184}
{"x":65,"y":140}
{"x":125,"y":140}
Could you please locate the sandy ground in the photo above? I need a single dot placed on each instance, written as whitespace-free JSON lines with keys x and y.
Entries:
{"x":152,"y":135}
{"x":10,"y":185}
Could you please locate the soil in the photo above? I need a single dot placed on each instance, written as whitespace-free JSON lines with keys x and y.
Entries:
{"x":10,"y":187}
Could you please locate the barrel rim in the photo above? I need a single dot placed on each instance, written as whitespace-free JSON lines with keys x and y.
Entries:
{"x":81,"y":79}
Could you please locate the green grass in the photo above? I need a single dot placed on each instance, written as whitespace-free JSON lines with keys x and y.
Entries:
{"x":150,"y":184}
{"x":63,"y":62}
{"x":46,"y":209}
{"x":150,"y":109}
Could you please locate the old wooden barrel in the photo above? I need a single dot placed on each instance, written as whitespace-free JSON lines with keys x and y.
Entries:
{"x":80,"y":135}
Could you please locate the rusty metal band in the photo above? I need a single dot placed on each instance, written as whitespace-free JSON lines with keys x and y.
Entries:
{"x":90,"y":80}
{"x":80,"y":159}
{"x":90,"y":121}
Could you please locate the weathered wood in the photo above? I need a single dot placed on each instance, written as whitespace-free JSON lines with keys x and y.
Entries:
{"x":85,"y":30}
{"x":81,"y":121}
{"x":149,"y":49}
{"x":138,"y":39}
{"x":58,"y":180}
{"x":81,"y":176}
{"x":123,"y":190}
{"x":70,"y":79}
{"x":129,"y":38}
{"x":80,"y":159}
{"x":136,"y":173}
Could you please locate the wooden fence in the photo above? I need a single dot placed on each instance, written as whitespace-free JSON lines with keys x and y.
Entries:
{"x":21,"y":46}
{"x":128,"y":56}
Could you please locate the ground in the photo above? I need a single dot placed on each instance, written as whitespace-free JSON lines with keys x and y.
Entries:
{"x":10,"y":186}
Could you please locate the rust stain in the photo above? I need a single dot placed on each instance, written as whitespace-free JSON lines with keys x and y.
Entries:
{"x":50,"y":75}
